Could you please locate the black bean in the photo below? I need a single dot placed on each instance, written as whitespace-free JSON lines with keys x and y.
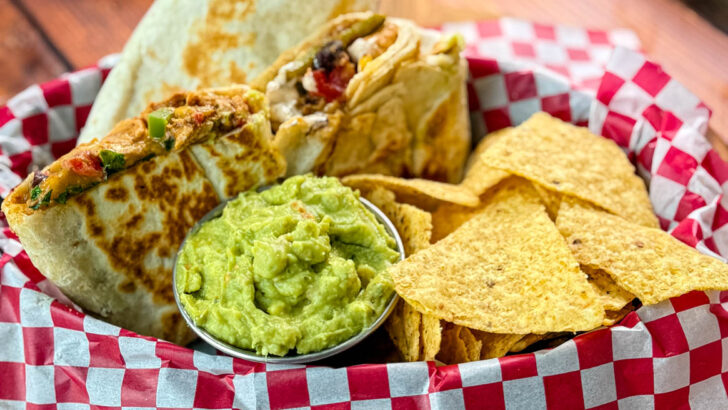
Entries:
{"x":38,"y":177}
{"x":330,"y":53}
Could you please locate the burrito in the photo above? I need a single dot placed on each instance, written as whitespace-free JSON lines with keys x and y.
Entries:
{"x":104,"y":221}
{"x":369,"y":94}
{"x":189,"y":44}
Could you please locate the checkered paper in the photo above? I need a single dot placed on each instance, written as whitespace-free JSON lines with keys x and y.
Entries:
{"x":669,"y":355}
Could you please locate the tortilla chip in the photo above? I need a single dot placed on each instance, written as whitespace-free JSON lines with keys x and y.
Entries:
{"x":550,"y":199}
{"x":473,"y":346}
{"x":452,"y":349}
{"x":495,"y":344}
{"x":573,"y":161}
{"x":527,"y":341}
{"x":414,"y":225}
{"x":483,"y":145}
{"x":507,"y":270}
{"x":646,"y":262}
{"x":480,"y":176}
{"x":448,"y":217}
{"x":613,"y":317}
{"x":403,"y":326}
{"x":421,"y":193}
{"x":431,"y":337}
{"x":613,"y":297}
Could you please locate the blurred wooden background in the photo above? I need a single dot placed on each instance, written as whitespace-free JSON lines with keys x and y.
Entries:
{"x":40,"y":39}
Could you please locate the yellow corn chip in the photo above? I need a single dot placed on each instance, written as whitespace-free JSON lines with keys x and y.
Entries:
{"x":550,"y":199}
{"x":573,"y":161}
{"x":449,"y":217}
{"x":495,"y":344}
{"x":421,"y":193}
{"x":646,"y":262}
{"x":507,"y":270}
{"x":480,"y":176}
{"x":613,"y":317}
{"x":403,"y":326}
{"x":452,"y":349}
{"x":414,"y":225}
{"x":483,"y":145}
{"x":527,"y":340}
{"x":431,"y":337}
{"x":473,"y":346}
{"x":613,"y":297}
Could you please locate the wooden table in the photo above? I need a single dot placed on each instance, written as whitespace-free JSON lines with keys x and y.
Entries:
{"x":40,"y":39}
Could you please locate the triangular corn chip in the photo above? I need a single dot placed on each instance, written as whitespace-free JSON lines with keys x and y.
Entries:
{"x":403,"y":326}
{"x":495,"y":344}
{"x":480,"y":176}
{"x":431,"y":337}
{"x":422,"y":193}
{"x":413,"y":225}
{"x":452,"y":349}
{"x":646,"y":262}
{"x":507,"y":270}
{"x":612,"y":296}
{"x":573,"y":161}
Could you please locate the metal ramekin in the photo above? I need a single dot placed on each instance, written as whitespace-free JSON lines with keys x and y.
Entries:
{"x":290,"y":358}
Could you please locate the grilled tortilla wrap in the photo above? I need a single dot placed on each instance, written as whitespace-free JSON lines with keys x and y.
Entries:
{"x":369,"y":94}
{"x":190,"y":44}
{"x":104,"y":221}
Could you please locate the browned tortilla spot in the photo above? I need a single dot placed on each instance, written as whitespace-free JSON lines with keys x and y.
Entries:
{"x":127,"y":286}
{"x":129,"y":248}
{"x":117,"y":194}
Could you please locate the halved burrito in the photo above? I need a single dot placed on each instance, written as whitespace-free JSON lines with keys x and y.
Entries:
{"x":369,"y":94}
{"x":104,"y":221}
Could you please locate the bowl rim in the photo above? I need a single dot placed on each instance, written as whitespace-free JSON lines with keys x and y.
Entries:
{"x":251,"y":355}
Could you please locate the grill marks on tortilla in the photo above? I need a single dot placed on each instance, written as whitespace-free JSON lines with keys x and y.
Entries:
{"x":201,"y":57}
{"x":164,"y":197}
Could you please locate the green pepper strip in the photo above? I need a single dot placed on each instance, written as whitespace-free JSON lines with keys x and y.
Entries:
{"x":112,"y":161}
{"x":358,"y":29}
{"x":157,"y":122}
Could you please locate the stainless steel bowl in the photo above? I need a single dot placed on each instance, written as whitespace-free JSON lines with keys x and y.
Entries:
{"x":290,"y":358}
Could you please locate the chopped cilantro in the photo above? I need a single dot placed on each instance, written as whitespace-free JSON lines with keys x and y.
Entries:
{"x":69,"y":192}
{"x":63,"y":197}
{"x":35,"y":193}
{"x":112,"y":161}
{"x":44,"y":201}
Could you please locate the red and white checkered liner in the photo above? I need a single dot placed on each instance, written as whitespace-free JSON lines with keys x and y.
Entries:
{"x":670,"y":355}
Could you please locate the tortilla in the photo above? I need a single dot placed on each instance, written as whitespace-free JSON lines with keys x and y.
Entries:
{"x":502,"y":272}
{"x":422,"y":193}
{"x":111,"y":244}
{"x":404,"y":111}
{"x":111,"y":249}
{"x":573,"y":161}
{"x":185,"y":44}
{"x":647,"y":262}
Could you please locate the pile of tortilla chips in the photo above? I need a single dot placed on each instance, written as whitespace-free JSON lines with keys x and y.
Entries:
{"x":549,"y":233}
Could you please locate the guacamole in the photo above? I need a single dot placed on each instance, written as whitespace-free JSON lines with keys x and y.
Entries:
{"x":299,"y":266}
